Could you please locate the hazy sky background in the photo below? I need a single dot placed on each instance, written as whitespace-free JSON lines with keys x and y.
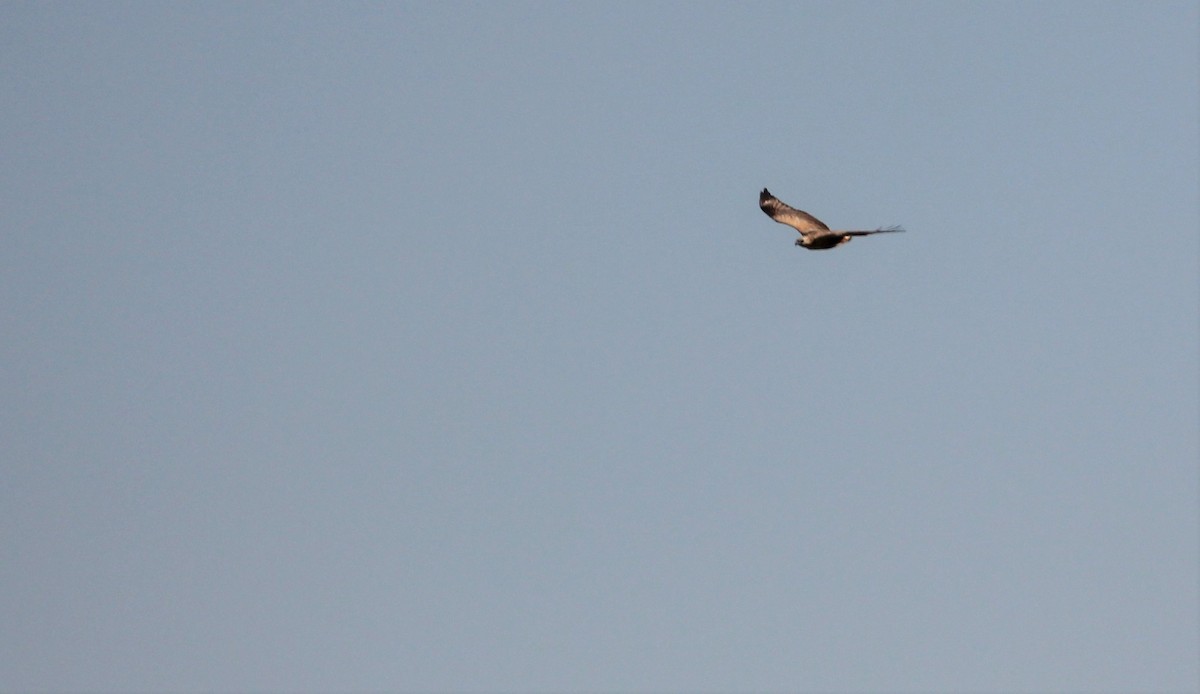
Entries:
{"x":443,"y":346}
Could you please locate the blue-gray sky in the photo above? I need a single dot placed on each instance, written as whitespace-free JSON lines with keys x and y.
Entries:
{"x":443,"y":346}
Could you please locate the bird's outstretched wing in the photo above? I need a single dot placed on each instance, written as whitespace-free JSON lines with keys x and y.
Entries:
{"x":886,"y":230}
{"x":786,"y":214}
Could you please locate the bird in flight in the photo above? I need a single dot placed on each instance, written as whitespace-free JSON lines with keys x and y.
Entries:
{"x":814,"y":235}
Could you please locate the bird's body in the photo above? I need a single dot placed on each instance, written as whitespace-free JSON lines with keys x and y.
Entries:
{"x":814,"y":235}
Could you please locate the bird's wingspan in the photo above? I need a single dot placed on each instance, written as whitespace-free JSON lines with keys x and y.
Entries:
{"x":786,"y":214}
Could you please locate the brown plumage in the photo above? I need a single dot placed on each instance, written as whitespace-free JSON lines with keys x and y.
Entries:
{"x":814,"y":235}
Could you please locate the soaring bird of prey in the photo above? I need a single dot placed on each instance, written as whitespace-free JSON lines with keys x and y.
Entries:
{"x":814,"y":235}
